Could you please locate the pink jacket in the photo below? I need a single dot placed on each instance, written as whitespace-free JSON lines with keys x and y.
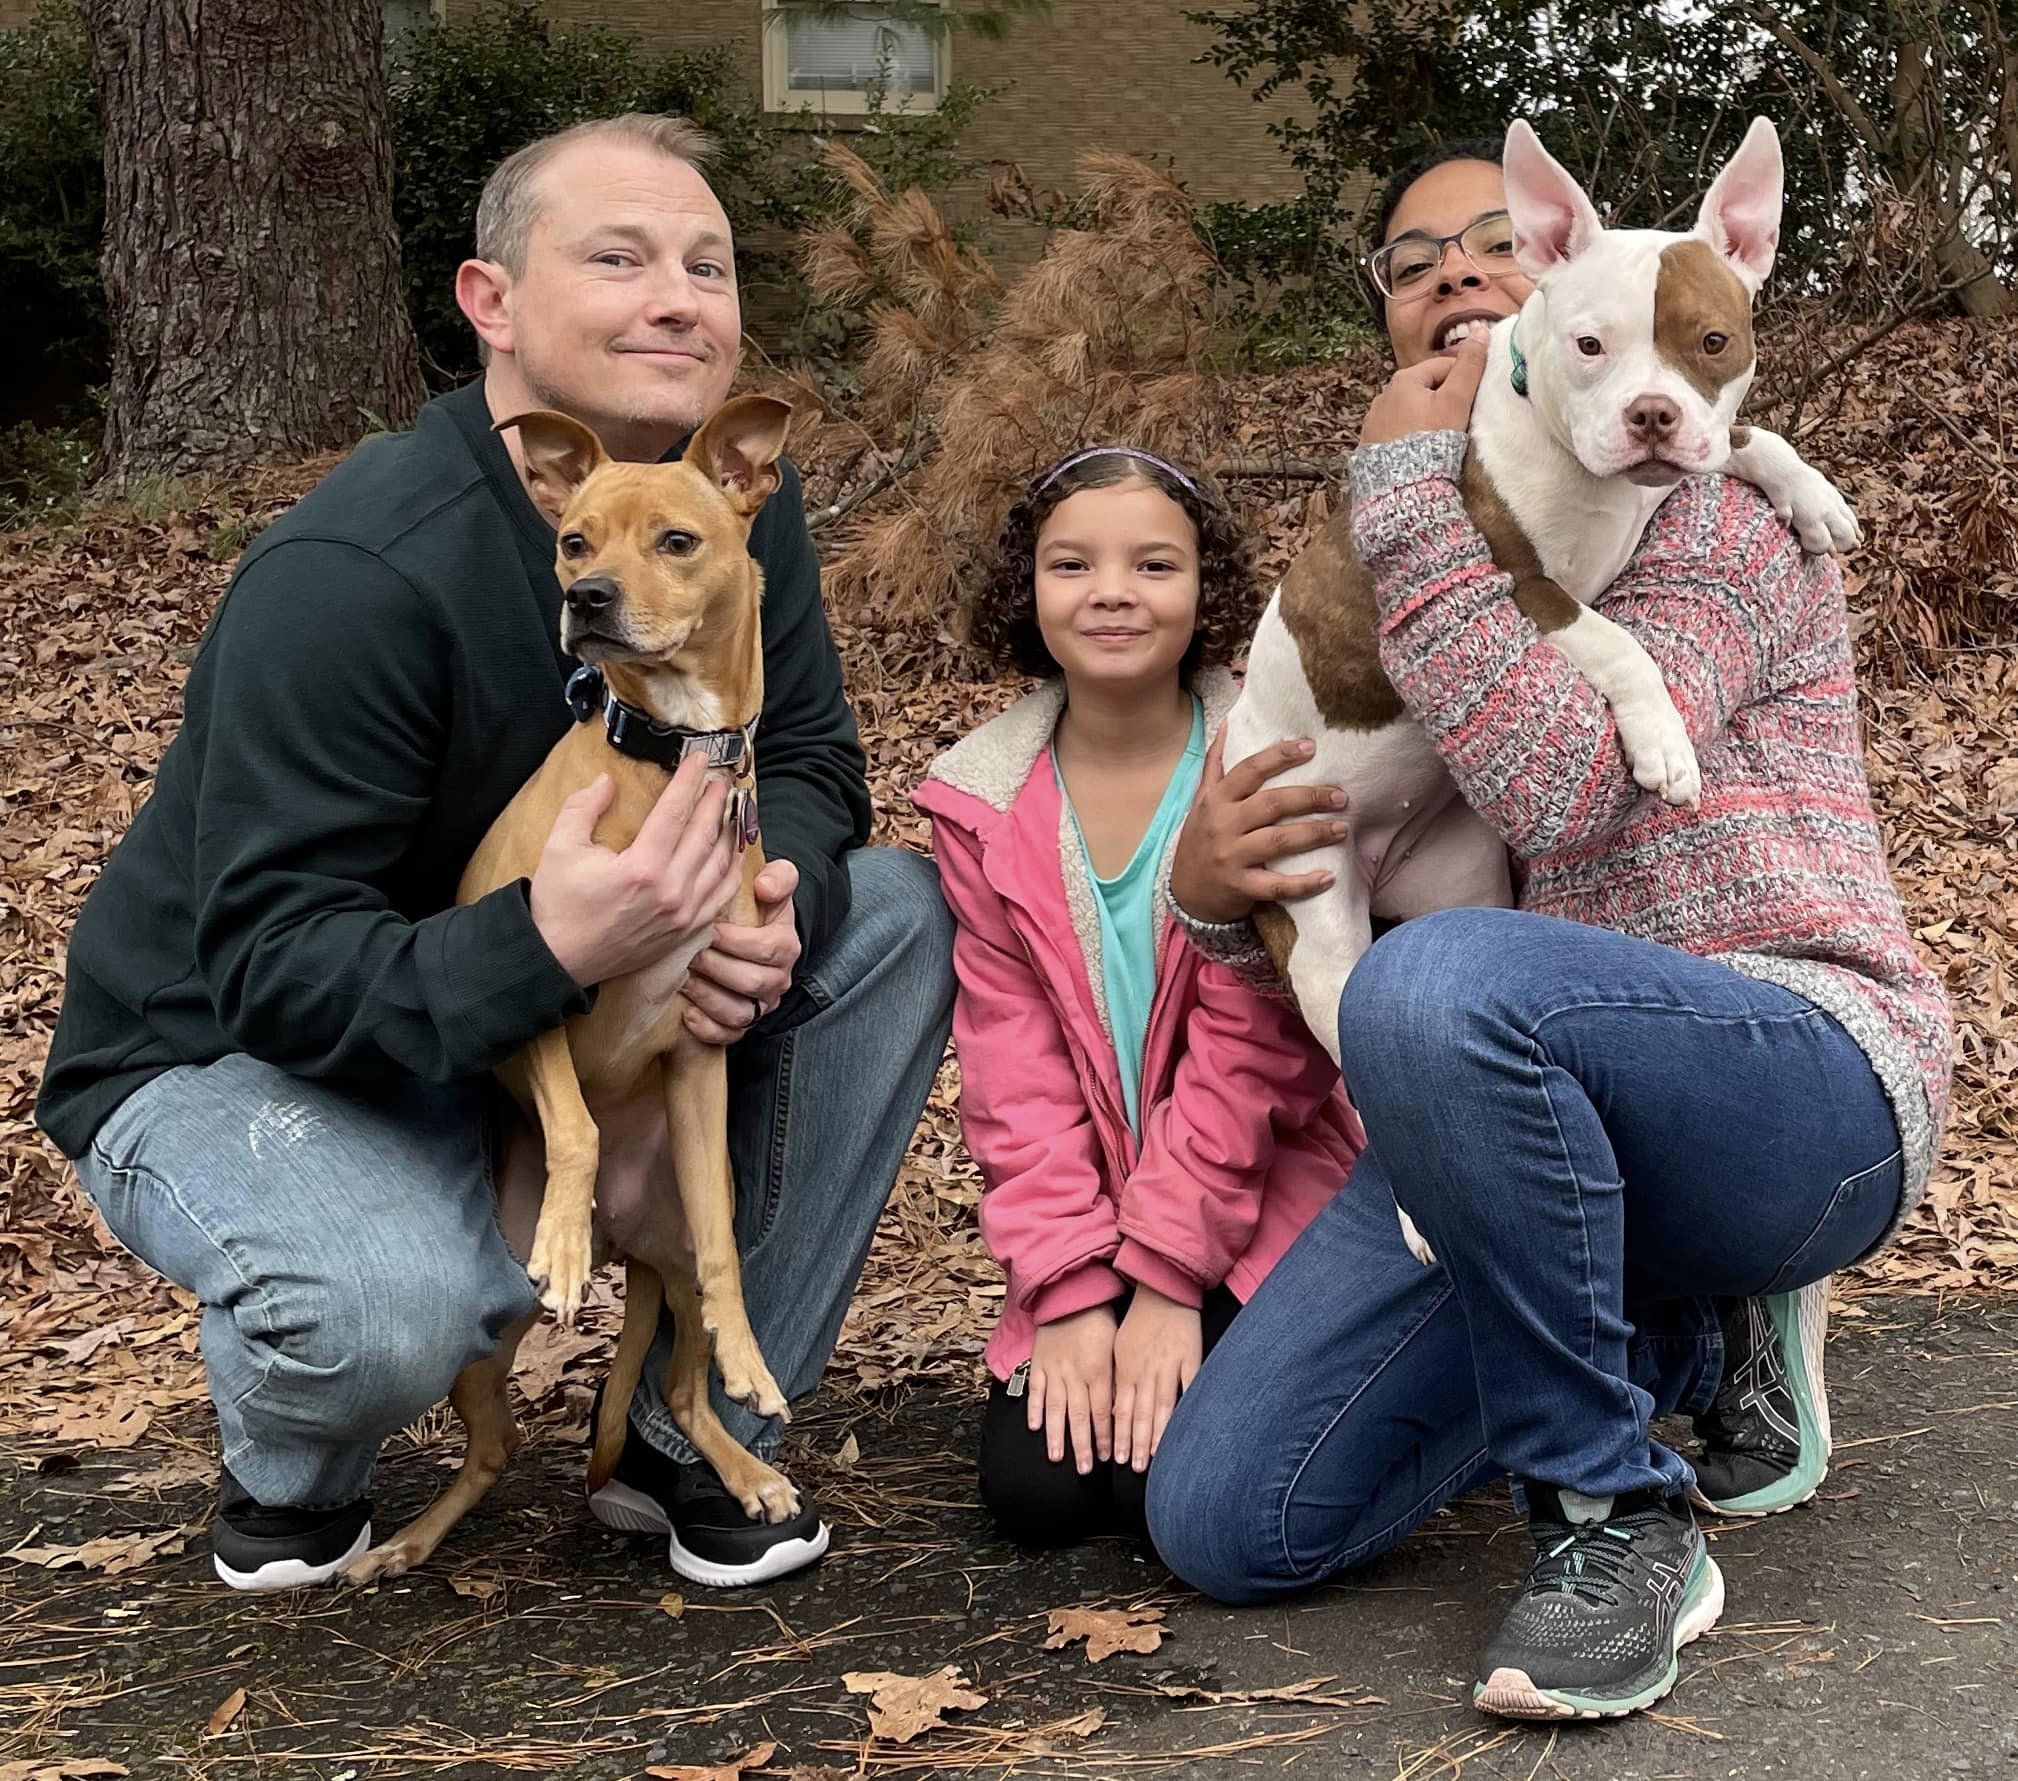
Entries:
{"x":1246,"y":1129}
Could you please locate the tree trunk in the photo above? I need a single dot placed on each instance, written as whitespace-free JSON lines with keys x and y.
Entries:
{"x":251,"y":266}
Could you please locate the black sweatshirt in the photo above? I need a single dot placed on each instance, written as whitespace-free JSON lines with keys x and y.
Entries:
{"x":382,"y":675}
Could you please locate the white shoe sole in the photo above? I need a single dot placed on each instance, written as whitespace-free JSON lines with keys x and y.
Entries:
{"x":632,"y":1512}
{"x":290,"y":1573}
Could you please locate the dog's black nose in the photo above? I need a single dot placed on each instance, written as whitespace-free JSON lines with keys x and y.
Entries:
{"x":1655,"y":416}
{"x":592,"y":594}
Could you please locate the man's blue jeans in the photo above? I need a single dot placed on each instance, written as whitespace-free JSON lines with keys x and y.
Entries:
{"x":345,"y":1245}
{"x":1595,"y":1134}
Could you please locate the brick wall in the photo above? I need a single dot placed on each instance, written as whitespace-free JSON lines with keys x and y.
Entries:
{"x":1093,"y":74}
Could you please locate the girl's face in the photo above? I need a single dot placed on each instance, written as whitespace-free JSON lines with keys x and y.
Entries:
{"x":1117,"y":583}
{"x":1442,"y":202}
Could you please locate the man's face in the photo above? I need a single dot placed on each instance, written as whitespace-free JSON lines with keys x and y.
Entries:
{"x":626,"y":314}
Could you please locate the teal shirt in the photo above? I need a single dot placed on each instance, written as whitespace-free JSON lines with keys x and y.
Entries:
{"x":1126,"y":906}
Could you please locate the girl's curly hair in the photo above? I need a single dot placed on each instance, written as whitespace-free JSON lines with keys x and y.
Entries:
{"x":999,"y":617}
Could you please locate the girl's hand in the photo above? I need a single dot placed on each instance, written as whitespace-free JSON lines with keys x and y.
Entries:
{"x":1072,"y":1385}
{"x":1238,"y":826}
{"x":1156,"y":1356}
{"x":1432,"y":397}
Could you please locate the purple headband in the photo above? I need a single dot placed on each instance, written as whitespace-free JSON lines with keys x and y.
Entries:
{"x":1114,"y":451}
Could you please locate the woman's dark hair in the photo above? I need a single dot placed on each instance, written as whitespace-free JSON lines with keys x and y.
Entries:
{"x":999,"y":617}
{"x":1458,"y":148}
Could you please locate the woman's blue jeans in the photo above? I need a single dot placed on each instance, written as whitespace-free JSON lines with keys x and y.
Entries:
{"x":1595,"y":1134}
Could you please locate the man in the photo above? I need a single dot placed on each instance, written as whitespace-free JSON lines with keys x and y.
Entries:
{"x":271,"y":1067}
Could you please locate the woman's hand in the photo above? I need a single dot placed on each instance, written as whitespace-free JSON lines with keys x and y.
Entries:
{"x":1156,"y":1356}
{"x":1072,"y":1385}
{"x":1432,"y":397}
{"x":1238,"y":826}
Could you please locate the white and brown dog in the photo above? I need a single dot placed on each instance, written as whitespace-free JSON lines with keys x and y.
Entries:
{"x":1621,"y":375}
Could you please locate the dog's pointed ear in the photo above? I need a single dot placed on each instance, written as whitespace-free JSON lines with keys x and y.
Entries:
{"x":1553,"y":220}
{"x":1740,"y":217}
{"x":738,"y":449}
{"x":560,"y":455}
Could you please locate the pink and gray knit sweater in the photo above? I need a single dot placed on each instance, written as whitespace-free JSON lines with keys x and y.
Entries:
{"x":1781,"y":874}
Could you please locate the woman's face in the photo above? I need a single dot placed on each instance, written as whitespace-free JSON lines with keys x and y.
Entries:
{"x":1442,"y":202}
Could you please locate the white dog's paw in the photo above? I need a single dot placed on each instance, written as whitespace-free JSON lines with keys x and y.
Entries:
{"x":1814,"y":510}
{"x":1413,"y":1238}
{"x":1659,"y":751}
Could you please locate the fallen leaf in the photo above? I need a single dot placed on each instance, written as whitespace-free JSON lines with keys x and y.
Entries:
{"x":479,"y":1589}
{"x":672,"y":1604}
{"x":726,"y":1771}
{"x":60,"y":1771}
{"x":114,"y":1554}
{"x":901,"y":1707}
{"x":1107,"y":1630}
{"x":849,"y":1454}
{"x":228,"y":1709}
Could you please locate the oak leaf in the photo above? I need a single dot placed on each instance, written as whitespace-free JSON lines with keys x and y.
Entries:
{"x":721,"y":1771}
{"x":900,"y":1707}
{"x":1107,"y":1630}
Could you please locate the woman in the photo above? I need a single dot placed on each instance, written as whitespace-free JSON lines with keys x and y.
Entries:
{"x":1699,"y":1068}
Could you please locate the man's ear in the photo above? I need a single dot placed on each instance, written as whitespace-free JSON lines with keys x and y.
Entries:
{"x":1740,"y":217}
{"x":561,"y":454}
{"x":738,"y":449}
{"x":481,"y":290}
{"x":1553,"y":221}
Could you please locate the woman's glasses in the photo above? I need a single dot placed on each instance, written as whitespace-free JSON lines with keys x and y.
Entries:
{"x":1406,"y":268}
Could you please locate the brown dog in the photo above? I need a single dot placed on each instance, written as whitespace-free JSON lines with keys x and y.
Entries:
{"x":661,"y":592}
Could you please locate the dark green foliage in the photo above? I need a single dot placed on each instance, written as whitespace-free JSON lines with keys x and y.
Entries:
{"x":1641,"y":103}
{"x":52,"y":211}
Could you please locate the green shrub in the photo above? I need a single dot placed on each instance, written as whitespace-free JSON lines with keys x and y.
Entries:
{"x":43,"y":472}
{"x":52,"y":213}
{"x":467,"y":93}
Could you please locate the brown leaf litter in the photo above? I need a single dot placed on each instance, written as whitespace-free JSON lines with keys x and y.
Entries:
{"x":1107,"y":1630}
{"x":97,"y":623}
{"x":903,"y":1707}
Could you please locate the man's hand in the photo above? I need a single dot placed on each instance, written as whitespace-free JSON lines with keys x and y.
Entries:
{"x":1432,"y":397}
{"x":1156,"y":1356}
{"x":605,"y":914}
{"x":746,"y":972}
{"x":1072,"y":1385}
{"x":1237,"y":827}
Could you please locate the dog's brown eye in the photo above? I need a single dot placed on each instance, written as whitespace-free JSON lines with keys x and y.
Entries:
{"x":573,"y":544}
{"x":678,"y":544}
{"x":1715,"y":343}
{"x":1590,"y":345}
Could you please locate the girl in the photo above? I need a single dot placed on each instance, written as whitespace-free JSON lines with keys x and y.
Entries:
{"x":1698,"y":1069}
{"x":1152,"y":1132}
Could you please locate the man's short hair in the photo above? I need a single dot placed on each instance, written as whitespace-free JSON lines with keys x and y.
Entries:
{"x":510,"y":204}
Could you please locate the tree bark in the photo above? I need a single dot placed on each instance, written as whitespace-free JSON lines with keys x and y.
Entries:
{"x":251,"y":266}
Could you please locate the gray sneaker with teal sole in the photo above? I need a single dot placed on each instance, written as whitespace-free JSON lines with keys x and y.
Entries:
{"x":1619,"y":1586}
{"x":1766,"y":1437}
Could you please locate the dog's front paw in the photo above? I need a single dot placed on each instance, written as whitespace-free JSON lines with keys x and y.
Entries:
{"x":1658,"y":750}
{"x":1816,"y":513}
{"x":1417,"y":1247}
{"x":560,"y":1266}
{"x":745,"y":1378}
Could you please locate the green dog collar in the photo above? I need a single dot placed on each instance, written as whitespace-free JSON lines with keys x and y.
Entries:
{"x":1518,"y":377}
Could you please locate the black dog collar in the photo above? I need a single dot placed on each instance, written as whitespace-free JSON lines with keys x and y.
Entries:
{"x":641,"y":735}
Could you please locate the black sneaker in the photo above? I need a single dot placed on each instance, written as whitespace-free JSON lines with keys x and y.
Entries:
{"x":254,"y":1547}
{"x":1619,"y":1586}
{"x":711,"y":1540}
{"x":1766,"y":1437}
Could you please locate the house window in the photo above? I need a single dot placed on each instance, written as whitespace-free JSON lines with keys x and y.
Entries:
{"x":836,"y":60}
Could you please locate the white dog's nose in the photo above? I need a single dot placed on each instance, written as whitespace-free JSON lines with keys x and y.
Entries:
{"x":1652,"y":416}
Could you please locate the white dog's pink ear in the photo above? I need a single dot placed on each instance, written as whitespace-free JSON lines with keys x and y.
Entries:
{"x":1740,"y":217}
{"x":1553,"y":221}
